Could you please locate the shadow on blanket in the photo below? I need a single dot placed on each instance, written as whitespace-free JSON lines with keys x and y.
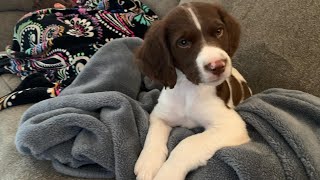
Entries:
{"x":97,"y":126}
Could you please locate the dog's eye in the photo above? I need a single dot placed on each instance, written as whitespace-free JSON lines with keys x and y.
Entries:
{"x":183,"y":43}
{"x":219,"y":32}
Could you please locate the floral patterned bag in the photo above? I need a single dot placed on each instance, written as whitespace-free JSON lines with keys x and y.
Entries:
{"x":53,"y":45}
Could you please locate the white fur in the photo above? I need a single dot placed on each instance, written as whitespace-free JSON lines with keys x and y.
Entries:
{"x":194,"y":18}
{"x":154,"y":152}
{"x":240,"y":79}
{"x":189,"y":106}
{"x":210,"y":54}
{"x":237,"y":75}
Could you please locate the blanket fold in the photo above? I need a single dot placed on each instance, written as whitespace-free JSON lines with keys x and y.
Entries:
{"x":97,"y":126}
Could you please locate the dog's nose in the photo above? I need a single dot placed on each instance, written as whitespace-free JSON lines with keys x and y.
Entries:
{"x":216,"y":67}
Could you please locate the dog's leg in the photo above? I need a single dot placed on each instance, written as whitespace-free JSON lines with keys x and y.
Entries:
{"x":196,"y":150}
{"x":155,"y":150}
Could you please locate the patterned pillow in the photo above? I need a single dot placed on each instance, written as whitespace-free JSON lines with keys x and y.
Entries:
{"x":56,"y":44}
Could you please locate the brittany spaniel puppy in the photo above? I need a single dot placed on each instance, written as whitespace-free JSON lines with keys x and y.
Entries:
{"x":189,"y":52}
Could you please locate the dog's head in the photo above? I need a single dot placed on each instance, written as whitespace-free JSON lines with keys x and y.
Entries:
{"x":199,"y":39}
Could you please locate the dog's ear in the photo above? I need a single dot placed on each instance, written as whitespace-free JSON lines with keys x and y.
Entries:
{"x":233,"y":30}
{"x":154,"y":57}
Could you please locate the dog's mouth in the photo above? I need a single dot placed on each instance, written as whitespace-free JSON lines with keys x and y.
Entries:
{"x":216,"y":78}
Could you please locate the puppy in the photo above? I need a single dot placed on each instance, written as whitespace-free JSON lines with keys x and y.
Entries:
{"x":190,"y":52}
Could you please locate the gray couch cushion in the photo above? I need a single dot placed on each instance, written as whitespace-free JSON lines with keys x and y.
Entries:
{"x":22,"y":5}
{"x":8,"y":82}
{"x":7,"y":25}
{"x":280,"y":44}
{"x":4,"y":88}
{"x":161,"y":7}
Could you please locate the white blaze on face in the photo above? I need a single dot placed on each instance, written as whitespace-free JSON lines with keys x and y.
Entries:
{"x":211,"y":54}
{"x":194,"y":18}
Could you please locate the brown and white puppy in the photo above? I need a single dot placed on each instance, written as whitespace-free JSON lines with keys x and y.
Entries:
{"x":190,"y":51}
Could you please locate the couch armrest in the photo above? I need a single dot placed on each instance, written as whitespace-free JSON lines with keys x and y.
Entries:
{"x":8,"y":21}
{"x":20,"y":5}
{"x":161,"y":7}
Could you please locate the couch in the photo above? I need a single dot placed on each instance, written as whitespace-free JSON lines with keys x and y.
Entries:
{"x":279,"y":47}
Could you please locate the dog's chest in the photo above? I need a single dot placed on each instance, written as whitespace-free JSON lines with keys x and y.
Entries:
{"x":189,"y":105}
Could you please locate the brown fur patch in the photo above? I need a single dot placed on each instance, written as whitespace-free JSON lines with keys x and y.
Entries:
{"x":237,"y":94}
{"x":154,"y":57}
{"x":223,"y":91}
{"x":246,"y":91}
{"x":239,"y":91}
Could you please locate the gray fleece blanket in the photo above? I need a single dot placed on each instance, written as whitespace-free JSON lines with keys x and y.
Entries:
{"x":97,"y":126}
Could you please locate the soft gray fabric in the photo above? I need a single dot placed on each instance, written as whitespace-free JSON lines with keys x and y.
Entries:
{"x":97,"y":126}
{"x":96,"y":122}
{"x":289,"y":122}
{"x":14,"y":166}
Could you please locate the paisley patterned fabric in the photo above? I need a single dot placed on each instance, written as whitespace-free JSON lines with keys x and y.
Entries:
{"x":57,"y":43}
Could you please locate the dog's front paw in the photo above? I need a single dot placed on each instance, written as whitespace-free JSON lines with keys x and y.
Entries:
{"x":149,"y":163}
{"x":172,"y":172}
